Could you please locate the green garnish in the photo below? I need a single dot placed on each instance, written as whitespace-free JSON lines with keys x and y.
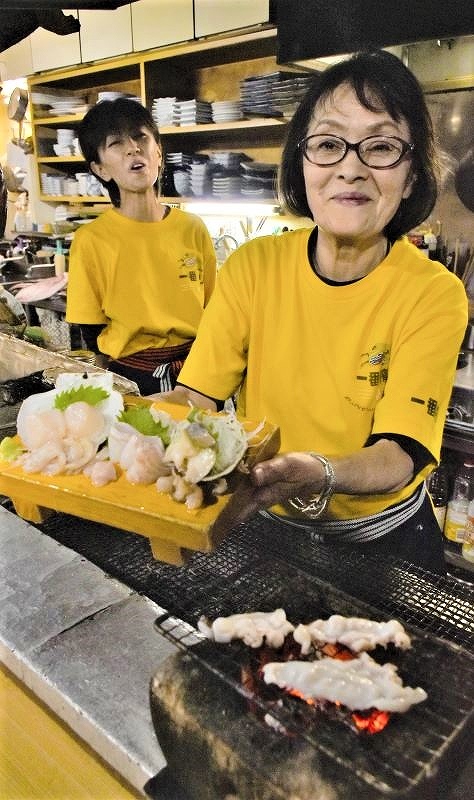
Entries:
{"x":10,"y":449}
{"x":140,"y":418}
{"x":86,"y":394}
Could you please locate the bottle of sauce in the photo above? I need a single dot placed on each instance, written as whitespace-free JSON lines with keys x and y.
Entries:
{"x":456,"y":514}
{"x":437,"y":484}
{"x":468,"y":543}
{"x":59,"y":259}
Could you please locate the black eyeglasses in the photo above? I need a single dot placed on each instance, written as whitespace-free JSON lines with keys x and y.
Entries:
{"x":378,"y":152}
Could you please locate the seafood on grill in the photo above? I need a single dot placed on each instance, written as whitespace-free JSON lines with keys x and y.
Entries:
{"x":358,"y":684}
{"x":356,"y":633}
{"x":253,"y":628}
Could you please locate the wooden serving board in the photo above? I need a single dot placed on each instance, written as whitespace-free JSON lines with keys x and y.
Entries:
{"x":171,"y":527}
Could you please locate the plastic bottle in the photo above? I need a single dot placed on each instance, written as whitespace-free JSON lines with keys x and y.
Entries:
{"x":59,"y":259}
{"x":468,"y":543}
{"x":437,"y":484}
{"x":456,"y":515}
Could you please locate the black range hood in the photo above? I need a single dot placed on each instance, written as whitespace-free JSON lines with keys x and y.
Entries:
{"x":319,"y":28}
{"x":42,"y":5}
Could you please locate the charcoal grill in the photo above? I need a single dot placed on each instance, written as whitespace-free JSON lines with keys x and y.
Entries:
{"x":261,"y":566}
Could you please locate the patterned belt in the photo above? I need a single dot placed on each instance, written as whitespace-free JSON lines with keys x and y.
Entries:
{"x":152,"y":357}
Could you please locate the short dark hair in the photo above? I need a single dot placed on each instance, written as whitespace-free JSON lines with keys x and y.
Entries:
{"x":380,"y":80}
{"x":107,"y":118}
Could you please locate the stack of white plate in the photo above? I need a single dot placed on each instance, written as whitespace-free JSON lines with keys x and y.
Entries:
{"x":258,"y":179}
{"x":68,"y":105}
{"x":192,"y":112}
{"x":182,"y":182}
{"x":162,"y":109}
{"x":65,"y":145}
{"x":228,"y":159}
{"x":226,"y":185}
{"x":109,"y":96}
{"x":200,"y":177}
{"x":226,"y":111}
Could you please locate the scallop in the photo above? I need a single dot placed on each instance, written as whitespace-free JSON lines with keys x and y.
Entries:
{"x":84,"y":421}
{"x":36,"y":429}
{"x":199,"y":465}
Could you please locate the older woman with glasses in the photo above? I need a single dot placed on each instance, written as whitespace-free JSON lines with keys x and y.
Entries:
{"x":343,"y":333}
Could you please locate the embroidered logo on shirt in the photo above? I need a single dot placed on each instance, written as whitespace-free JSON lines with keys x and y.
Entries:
{"x":431,"y":405}
{"x":190,"y":269}
{"x":377,"y":356}
{"x":371,"y":377}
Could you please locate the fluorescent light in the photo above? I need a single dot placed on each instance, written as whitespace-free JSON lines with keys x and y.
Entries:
{"x":232,"y":209}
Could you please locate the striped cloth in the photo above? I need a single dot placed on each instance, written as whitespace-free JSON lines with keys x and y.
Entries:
{"x":163,"y":363}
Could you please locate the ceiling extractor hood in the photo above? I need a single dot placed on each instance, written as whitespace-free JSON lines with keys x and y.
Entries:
{"x":321,"y":28}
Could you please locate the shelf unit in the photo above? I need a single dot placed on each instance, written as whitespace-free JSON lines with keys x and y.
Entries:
{"x":210,"y":70}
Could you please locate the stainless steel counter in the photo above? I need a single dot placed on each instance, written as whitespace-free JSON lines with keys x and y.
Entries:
{"x":83,"y":643}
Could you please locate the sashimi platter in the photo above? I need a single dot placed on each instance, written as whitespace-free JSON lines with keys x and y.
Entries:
{"x":162,"y":470}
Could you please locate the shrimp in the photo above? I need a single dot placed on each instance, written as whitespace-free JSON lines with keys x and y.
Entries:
{"x":49,"y":458}
{"x":181,"y":490}
{"x":195,"y":498}
{"x":79,"y":452}
{"x":165,"y":484}
{"x":143,"y":461}
{"x":101,"y":472}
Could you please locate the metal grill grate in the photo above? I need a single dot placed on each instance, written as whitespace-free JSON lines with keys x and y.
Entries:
{"x":228,"y":580}
{"x":397,"y":761}
{"x":259,"y":567}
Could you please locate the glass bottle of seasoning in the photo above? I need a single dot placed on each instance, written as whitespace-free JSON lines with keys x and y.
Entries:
{"x":437,"y":484}
{"x":456,"y":514}
{"x":468,"y":543}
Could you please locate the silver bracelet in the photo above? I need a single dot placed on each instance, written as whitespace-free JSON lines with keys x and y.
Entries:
{"x":316,"y":505}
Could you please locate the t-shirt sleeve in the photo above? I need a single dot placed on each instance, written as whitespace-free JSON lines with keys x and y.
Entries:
{"x":422,"y":365}
{"x":85,"y":283}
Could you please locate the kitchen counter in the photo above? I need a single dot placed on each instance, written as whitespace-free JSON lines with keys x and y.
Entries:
{"x":84,"y":643}
{"x":79,"y":601}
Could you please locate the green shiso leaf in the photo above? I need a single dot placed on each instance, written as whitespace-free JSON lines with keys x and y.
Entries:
{"x":140,"y":418}
{"x":10,"y":449}
{"x":86,"y":394}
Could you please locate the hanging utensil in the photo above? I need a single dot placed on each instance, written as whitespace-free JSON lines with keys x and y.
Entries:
{"x":17,"y":106}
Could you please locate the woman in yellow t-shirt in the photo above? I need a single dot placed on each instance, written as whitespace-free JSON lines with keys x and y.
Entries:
{"x":140,"y":274}
{"x":343,"y":333}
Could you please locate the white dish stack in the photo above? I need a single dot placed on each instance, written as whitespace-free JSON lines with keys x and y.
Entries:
{"x":67,"y":143}
{"x":162,"y":110}
{"x":192,"y":112}
{"x":227,"y":111}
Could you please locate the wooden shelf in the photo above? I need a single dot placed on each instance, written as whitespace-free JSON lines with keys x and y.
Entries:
{"x":60,"y":160}
{"x":212,"y":69}
{"x":213,"y":127}
{"x":69,"y":198}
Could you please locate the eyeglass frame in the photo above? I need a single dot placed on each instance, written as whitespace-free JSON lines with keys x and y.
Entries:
{"x":408,"y":147}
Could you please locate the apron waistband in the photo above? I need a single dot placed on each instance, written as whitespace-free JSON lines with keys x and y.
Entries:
{"x":152,"y":357}
{"x":362,"y":529}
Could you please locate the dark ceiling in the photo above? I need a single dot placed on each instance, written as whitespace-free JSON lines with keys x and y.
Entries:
{"x":20,"y":18}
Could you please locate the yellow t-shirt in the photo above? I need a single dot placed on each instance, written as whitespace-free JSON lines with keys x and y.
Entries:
{"x":333,"y":364}
{"x":148,"y":282}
